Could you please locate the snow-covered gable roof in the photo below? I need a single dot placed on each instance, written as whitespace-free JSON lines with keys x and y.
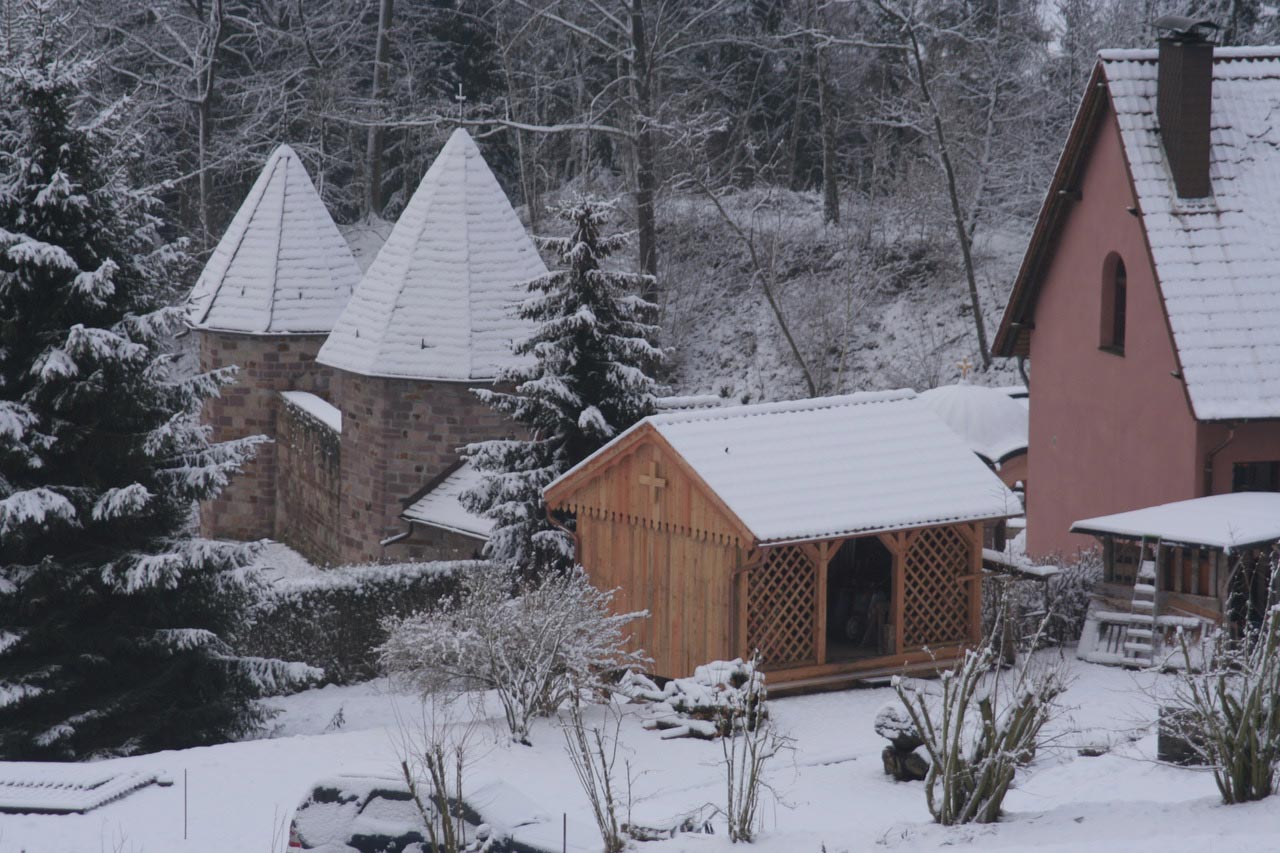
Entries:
{"x":992,"y":423}
{"x":282,"y":267}
{"x":439,"y":300}
{"x":1217,"y":259}
{"x":1218,"y":521}
{"x":832,"y":466}
{"x":440,"y":506}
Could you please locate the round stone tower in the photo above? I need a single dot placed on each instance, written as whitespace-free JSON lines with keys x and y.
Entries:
{"x":433,"y":318}
{"x":265,"y":304}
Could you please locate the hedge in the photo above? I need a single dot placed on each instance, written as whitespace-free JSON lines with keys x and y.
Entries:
{"x":334,"y":619}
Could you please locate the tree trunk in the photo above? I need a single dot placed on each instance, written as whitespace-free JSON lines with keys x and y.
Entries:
{"x":375,"y":143}
{"x":646,"y":172}
{"x":953,"y":194}
{"x":826,"y":114}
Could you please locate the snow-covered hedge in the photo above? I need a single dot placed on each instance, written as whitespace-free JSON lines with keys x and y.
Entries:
{"x":333,"y":619}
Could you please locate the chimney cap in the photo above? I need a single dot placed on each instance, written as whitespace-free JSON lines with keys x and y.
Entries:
{"x":1184,"y":29}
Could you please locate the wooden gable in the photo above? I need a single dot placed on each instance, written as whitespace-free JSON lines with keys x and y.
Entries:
{"x":643,"y":480}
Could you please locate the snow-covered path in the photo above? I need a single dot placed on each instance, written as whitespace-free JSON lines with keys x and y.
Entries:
{"x":240,"y":796}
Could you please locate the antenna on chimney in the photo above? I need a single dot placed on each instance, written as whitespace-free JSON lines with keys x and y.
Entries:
{"x":1184,"y":29}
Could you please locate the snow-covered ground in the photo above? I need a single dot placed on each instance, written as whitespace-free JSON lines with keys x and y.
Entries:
{"x":832,"y":791}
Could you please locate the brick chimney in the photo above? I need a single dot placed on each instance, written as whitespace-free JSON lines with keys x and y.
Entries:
{"x":1184,"y":92}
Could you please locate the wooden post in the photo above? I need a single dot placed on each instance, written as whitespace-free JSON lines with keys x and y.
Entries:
{"x":820,"y":614}
{"x":899,"y":573}
{"x":975,"y":584}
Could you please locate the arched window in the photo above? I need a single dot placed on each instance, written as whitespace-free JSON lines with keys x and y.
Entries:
{"x":1115,"y":287}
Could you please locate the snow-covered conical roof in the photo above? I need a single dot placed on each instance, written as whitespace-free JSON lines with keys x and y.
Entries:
{"x":439,"y":301}
{"x":992,"y":423}
{"x":281,"y":267}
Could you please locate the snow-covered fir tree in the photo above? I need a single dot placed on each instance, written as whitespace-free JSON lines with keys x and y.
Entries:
{"x":112,"y":616}
{"x":590,"y":377}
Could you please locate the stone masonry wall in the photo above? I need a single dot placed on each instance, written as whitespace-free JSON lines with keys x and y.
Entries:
{"x":432,"y":543}
{"x":308,"y":485}
{"x":396,"y":435}
{"x":268,"y":364}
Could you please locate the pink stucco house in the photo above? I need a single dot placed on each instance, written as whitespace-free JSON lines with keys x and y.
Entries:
{"x":1148,"y":301}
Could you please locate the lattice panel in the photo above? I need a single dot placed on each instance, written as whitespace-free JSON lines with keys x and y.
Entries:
{"x":780,"y":607}
{"x":935,"y":602}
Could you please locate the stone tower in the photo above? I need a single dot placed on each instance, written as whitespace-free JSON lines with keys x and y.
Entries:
{"x":265,"y":302}
{"x":433,"y":317}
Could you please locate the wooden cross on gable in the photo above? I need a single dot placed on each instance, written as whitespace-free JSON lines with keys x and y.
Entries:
{"x":652,"y":480}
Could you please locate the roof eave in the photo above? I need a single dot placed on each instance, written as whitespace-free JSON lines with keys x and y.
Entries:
{"x":875,"y":531}
{"x":1053,"y":210}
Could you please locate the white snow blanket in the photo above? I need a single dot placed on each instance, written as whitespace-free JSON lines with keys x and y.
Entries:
{"x":317,"y":407}
{"x":65,"y":788}
{"x":993,"y":424}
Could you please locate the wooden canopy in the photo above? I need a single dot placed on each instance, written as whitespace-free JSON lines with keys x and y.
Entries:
{"x":649,"y":525}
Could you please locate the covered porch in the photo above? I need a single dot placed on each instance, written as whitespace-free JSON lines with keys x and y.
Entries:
{"x":851,"y":607}
{"x":1182,"y":566}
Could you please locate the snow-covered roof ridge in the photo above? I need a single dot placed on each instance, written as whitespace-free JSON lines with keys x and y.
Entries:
{"x":802,"y":405}
{"x":439,"y":300}
{"x":281,"y":267}
{"x":1217,"y":259}
{"x":828,"y":467}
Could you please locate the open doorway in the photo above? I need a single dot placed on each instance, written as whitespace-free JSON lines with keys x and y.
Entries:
{"x":859,"y":592}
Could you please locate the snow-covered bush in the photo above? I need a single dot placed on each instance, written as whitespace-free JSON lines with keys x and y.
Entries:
{"x":336,"y":619}
{"x":1069,"y":594}
{"x":532,"y":641}
{"x":1052,"y":608}
{"x":979,"y":723}
{"x":1228,"y":711}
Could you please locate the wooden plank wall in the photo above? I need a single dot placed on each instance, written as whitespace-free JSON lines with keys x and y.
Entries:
{"x":618,"y":490}
{"x":685,"y":582}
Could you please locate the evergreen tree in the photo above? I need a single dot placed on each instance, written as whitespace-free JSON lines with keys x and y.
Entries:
{"x":589,"y":379}
{"x":110,"y":613}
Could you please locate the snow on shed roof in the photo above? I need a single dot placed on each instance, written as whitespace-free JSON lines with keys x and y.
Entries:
{"x":1217,"y":521}
{"x":440,"y":506}
{"x":834,"y":466}
{"x":439,"y":300}
{"x":1217,"y":259}
{"x":992,"y":423}
{"x":282,"y":266}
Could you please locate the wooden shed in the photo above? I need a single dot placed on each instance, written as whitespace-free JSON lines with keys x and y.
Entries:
{"x":840,"y":536}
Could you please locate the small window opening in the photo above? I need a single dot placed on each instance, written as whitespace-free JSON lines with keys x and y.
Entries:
{"x":1115,"y":294}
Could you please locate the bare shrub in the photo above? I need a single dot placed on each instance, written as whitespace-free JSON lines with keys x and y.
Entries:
{"x":532,"y":642}
{"x":749,"y":741}
{"x":434,"y":753}
{"x":979,"y":724}
{"x":593,"y":752}
{"x":1228,"y":712}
